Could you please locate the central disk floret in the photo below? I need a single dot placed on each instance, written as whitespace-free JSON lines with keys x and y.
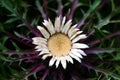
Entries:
{"x":59,"y":44}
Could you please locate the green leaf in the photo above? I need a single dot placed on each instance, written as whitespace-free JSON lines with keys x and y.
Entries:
{"x":93,"y":7}
{"x":117,"y":56}
{"x":15,"y":73}
{"x":2,"y":43}
{"x":4,"y":40}
{"x":106,"y":72}
{"x":20,"y":25}
{"x":16,"y":47}
{"x":11,"y":20}
{"x":25,"y":14}
{"x":103,"y":22}
{"x":39,"y":6}
{"x":2,"y":47}
{"x":35,"y":21}
{"x":7,"y":4}
{"x":113,"y":5}
{"x":115,"y":21}
{"x":1,"y":27}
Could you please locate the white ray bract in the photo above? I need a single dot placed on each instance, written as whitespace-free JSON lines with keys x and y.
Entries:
{"x":66,"y":27}
{"x":39,"y":40}
{"x":75,"y":52}
{"x":45,"y":56}
{"x":77,"y":33}
{"x":63,"y":62}
{"x":39,"y":48}
{"x":57,"y":62}
{"x":63,"y":22}
{"x":44,"y":32}
{"x":82,"y":36}
{"x":75,"y":57}
{"x":57,"y":24}
{"x":44,"y":52}
{"x":49,"y":26}
{"x":69,"y":59}
{"x":81,"y":52}
{"x":72,"y":31}
{"x":80,"y":45}
{"x":52,"y":61}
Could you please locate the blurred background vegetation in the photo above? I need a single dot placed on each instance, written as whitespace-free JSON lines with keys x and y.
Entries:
{"x":16,"y":16}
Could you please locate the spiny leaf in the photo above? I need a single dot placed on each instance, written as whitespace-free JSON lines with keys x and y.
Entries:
{"x":92,"y":8}
{"x":103,"y":22}
{"x":106,"y":72}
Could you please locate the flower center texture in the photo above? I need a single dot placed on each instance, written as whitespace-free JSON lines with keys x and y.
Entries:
{"x":59,"y":44}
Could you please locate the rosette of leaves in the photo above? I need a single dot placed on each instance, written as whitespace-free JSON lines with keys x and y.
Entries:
{"x":98,"y":18}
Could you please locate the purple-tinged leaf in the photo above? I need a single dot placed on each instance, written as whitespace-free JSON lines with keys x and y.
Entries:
{"x":54,"y":75}
{"x":102,"y":3}
{"x":80,"y":23}
{"x":92,"y":43}
{"x":90,"y":33}
{"x":28,"y":40}
{"x":27,"y":58}
{"x":72,"y":10}
{"x":59,"y":8}
{"x":98,"y":50}
{"x":92,"y":8}
{"x":61,"y":76}
{"x":19,"y":39}
{"x":35,"y":70}
{"x":33,"y":29}
{"x":21,"y":52}
{"x":45,"y":75}
{"x":45,"y":8}
{"x":41,"y":10}
{"x":74,"y":75}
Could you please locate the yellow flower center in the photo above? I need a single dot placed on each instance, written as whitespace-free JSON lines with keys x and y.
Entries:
{"x":59,"y":44}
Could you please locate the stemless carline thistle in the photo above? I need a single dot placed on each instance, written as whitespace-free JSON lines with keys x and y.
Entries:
{"x":60,"y":41}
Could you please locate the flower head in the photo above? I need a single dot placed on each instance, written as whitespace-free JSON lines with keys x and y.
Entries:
{"x":60,"y":41}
